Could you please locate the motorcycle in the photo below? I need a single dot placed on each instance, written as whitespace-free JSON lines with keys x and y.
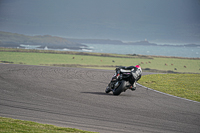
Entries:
{"x":121,"y":81}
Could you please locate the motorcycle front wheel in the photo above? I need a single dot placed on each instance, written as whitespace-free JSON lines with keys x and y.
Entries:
{"x":120,"y":88}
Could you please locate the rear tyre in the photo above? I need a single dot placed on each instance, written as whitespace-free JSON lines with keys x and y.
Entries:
{"x":119,"y":89}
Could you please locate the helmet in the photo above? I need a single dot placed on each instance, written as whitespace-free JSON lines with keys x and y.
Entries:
{"x":138,"y":66}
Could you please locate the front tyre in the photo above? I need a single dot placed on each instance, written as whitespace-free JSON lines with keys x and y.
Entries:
{"x":120,"y":88}
{"x":108,"y":89}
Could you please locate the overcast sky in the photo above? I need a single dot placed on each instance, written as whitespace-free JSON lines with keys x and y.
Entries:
{"x":163,"y":21}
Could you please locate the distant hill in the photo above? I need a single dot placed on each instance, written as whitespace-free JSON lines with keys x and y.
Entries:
{"x":118,"y":42}
{"x":8,"y":39}
{"x":96,"y":41}
{"x":142,"y":43}
{"x":108,"y":41}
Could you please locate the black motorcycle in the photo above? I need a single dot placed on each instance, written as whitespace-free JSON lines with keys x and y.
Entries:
{"x":121,"y":81}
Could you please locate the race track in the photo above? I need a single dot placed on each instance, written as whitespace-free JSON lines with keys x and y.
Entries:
{"x":75,"y":97}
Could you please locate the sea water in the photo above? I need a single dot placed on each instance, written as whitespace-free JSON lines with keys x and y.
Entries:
{"x":159,"y":50}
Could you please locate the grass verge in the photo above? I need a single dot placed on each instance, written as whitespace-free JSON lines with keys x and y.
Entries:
{"x":100,"y":61}
{"x":9,"y":125}
{"x":181,"y":85}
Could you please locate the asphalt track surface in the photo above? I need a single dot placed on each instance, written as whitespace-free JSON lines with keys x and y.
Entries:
{"x":75,"y":97}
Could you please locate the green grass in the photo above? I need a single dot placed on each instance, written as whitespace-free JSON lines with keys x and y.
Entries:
{"x":8,"y":125}
{"x":181,"y":85}
{"x":102,"y":62}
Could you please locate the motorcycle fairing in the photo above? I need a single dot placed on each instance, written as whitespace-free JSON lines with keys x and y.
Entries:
{"x":126,"y":71}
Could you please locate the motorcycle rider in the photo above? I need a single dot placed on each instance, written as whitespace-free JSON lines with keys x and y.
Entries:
{"x":136,"y":75}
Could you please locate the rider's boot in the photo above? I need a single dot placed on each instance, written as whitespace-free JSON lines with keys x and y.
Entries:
{"x":133,"y":87}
